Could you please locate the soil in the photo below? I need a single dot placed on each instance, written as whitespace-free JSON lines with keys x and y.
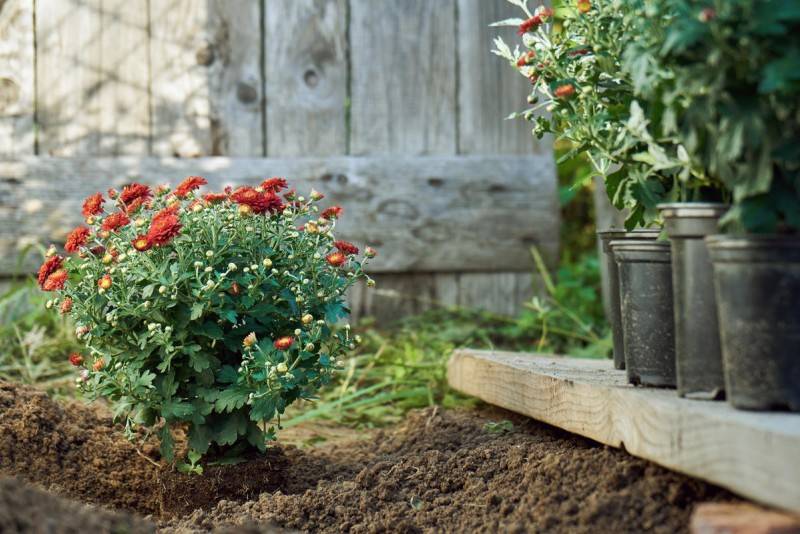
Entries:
{"x":437,"y":471}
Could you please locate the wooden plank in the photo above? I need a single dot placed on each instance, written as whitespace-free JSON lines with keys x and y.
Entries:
{"x":454,"y":213}
{"x":206,"y":78}
{"x":16,"y":78}
{"x":751,"y":453}
{"x":123,"y":92}
{"x":305,"y":61}
{"x":68,"y":59}
{"x":403,"y":77}
{"x":741,"y":518}
{"x":488,"y":89}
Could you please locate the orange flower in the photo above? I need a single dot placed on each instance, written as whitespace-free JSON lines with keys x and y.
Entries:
{"x":76,"y":239}
{"x":334,"y":212}
{"x":274,"y":184}
{"x":135,"y":194}
{"x":104,"y":282}
{"x":250,"y":339}
{"x":336,"y":258}
{"x":526,"y":58}
{"x":66,"y":305}
{"x":164,"y":227}
{"x":99,"y":364}
{"x":188,"y":185}
{"x":257,"y":202}
{"x":370,"y":252}
{"x":56,"y":280}
{"x":141,"y":243}
{"x":564,"y":90}
{"x":115,"y":221}
{"x":283,"y":343}
{"x":93,"y":205}
{"x":347,"y":248}
{"x":235,"y":289}
{"x":212,"y":198}
{"x":50,"y":266}
{"x":75,"y":359}
{"x":584,"y":6}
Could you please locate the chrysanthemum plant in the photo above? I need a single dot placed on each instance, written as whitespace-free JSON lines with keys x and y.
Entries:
{"x":573,"y":56}
{"x":211,"y":313}
{"x":724,"y":76}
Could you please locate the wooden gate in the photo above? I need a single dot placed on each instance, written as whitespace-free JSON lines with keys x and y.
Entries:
{"x":394,"y":108}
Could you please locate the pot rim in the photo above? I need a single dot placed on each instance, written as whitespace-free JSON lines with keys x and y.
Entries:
{"x":699,"y":210}
{"x":641,"y":245}
{"x":752,"y":241}
{"x":621,"y":233}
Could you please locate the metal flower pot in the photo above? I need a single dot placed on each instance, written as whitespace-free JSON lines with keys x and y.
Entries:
{"x":698,"y":357}
{"x":606,"y":236}
{"x":648,"y":325}
{"x":757,"y":283}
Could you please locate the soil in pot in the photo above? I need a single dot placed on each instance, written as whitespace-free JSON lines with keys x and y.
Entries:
{"x":757,"y":282}
{"x":437,"y":471}
{"x":648,"y":325}
{"x":698,"y":357}
{"x":606,"y":236}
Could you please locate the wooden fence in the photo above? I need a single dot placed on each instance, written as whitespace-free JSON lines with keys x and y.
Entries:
{"x":393,"y":107}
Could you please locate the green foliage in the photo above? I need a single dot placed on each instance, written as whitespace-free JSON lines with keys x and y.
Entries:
{"x":217,"y":327}
{"x":498,"y":427}
{"x":722,"y":79}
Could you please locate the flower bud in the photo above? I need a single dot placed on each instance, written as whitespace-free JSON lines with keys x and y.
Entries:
{"x":266,"y":262}
{"x":198,"y":264}
{"x":48,"y":304}
{"x":232,"y":267}
{"x":51,"y":251}
{"x":254,"y":267}
{"x":250,"y":340}
{"x":307,"y":318}
{"x":139,"y":222}
{"x":208,"y":269}
{"x":297,"y":331}
{"x":316,"y":195}
{"x":309,"y":347}
{"x":370,"y":252}
{"x":370,"y":282}
{"x":282,"y":368}
{"x":162,"y":289}
{"x":209,"y":253}
{"x":99,"y":364}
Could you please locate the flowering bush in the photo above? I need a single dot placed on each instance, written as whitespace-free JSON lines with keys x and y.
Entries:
{"x":209,"y":312}
{"x":576,"y":68}
{"x":724,"y":76}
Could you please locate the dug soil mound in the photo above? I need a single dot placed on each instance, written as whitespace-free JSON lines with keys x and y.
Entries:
{"x":437,"y":471}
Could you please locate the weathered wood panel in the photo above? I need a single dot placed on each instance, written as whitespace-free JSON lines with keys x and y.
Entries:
{"x":305,"y":65}
{"x":68,"y":71}
{"x":16,"y":78}
{"x":206,"y":78}
{"x":446,"y":214}
{"x":753,"y":454}
{"x":488,"y":89}
{"x":403,"y":77}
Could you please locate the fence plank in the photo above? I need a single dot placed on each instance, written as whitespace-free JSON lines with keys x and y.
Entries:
{"x":206,"y":78}
{"x":16,"y":78}
{"x":403,"y":77}
{"x":68,"y":107}
{"x":489,"y":90}
{"x":446,"y":214}
{"x":305,"y":55}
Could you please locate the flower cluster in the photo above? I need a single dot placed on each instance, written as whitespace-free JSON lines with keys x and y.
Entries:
{"x":211,"y":312}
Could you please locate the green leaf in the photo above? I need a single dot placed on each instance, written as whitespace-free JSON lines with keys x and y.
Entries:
{"x":230,"y":399}
{"x":227,"y":374}
{"x":176,"y":410}
{"x":199,"y":438}
{"x":208,"y":329}
{"x":262,"y":409}
{"x":197,"y":310}
{"x":167,"y":444}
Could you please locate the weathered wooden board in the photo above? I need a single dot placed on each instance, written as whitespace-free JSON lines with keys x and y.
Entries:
{"x":445,"y":214}
{"x":489,"y":90}
{"x":305,"y":65}
{"x":68,"y":108}
{"x":403,"y":77}
{"x":206,"y":80}
{"x":16,"y":78}
{"x":754,"y":454}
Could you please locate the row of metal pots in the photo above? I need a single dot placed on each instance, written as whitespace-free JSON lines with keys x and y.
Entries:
{"x":714,"y":315}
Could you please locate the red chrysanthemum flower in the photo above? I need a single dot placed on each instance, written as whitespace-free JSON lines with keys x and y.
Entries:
{"x":115,"y":221}
{"x":93,"y":205}
{"x":526,"y":58}
{"x":564,"y":90}
{"x":99,"y":364}
{"x":164,"y":227}
{"x":257,"y":202}
{"x":334,"y":212}
{"x":56,"y":280}
{"x":75,"y":359}
{"x":141,"y":243}
{"x":283,"y":343}
{"x":370,"y":252}
{"x":188,"y":185}
{"x":134,"y":195}
{"x":346,"y":247}
{"x":50,"y":265}
{"x":535,"y":21}
{"x":104,"y":282}
{"x":235,"y":289}
{"x":213,"y":198}
{"x":112,"y":193}
{"x":76,"y":239}
{"x":274,"y":184}
{"x":336,"y":258}
{"x":66,"y":306}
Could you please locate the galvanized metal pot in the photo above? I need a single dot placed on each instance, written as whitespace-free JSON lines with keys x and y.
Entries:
{"x":757,"y":283}
{"x":698,"y":357}
{"x":648,"y":325}
{"x":615,"y":318}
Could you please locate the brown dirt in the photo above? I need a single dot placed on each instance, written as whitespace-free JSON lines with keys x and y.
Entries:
{"x":437,"y":471}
